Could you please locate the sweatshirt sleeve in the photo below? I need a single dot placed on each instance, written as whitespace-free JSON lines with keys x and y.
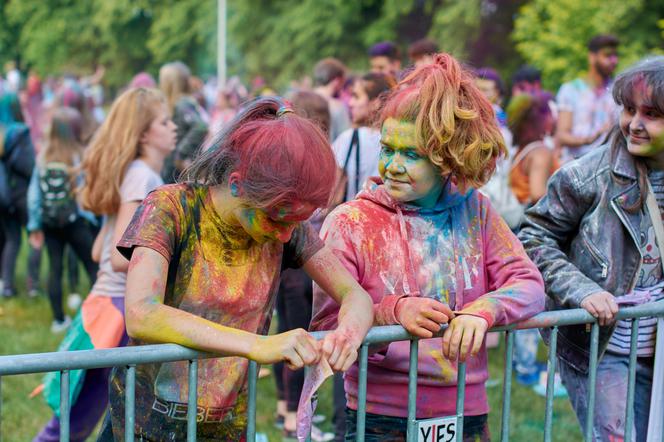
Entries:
{"x":516,"y":289}
{"x":550,"y":224}
{"x":326,"y":309}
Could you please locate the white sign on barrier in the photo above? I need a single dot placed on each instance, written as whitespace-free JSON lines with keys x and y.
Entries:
{"x":440,"y":429}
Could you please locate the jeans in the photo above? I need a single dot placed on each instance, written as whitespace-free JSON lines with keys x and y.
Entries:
{"x":78,"y":235}
{"x":380,"y":428}
{"x":611,"y":396}
{"x":525,"y":351}
{"x":11,"y":229}
{"x":294,"y":300}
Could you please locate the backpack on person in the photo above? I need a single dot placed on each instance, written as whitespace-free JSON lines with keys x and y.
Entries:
{"x":59,"y":206}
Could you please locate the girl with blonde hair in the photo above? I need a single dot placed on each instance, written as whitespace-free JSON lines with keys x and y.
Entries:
{"x":430,"y":250}
{"x":121,"y":166}
{"x":189,"y":117}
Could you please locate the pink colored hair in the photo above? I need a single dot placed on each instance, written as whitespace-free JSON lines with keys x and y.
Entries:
{"x":455,"y":124}
{"x":281,"y":158}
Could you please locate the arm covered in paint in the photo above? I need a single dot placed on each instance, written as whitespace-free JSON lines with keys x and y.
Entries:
{"x":516,"y":290}
{"x":355,"y":314}
{"x":336,"y":232}
{"x":150,"y":320}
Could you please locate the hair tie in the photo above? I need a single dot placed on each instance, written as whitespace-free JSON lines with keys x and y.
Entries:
{"x":284,"y":109}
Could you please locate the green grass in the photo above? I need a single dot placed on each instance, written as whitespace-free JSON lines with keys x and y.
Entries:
{"x":24,"y":328}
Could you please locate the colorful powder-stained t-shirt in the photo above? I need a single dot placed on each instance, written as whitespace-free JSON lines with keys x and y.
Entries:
{"x":217,"y":272}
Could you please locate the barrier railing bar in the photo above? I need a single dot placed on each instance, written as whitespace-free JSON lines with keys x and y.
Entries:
{"x":362,"y":392}
{"x":251,"y":411}
{"x":507,"y":387}
{"x":192,"y":400}
{"x":64,"y":406}
{"x":130,"y":402}
{"x":592,"y":381}
{"x":550,"y":384}
{"x":159,"y":353}
{"x":631,"y":379}
{"x":412,"y":391}
{"x":461,"y":396}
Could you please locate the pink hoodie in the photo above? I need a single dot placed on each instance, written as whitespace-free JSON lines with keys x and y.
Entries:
{"x":459,"y":252}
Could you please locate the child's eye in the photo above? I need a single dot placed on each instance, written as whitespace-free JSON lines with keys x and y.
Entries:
{"x":387,"y":150}
{"x":412,"y":155}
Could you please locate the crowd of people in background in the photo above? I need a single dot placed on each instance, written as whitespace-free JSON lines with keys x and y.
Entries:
{"x":73,"y":173}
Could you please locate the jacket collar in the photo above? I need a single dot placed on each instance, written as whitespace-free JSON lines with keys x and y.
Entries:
{"x":623,"y":164}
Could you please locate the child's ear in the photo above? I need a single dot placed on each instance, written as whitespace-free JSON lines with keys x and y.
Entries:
{"x":234,"y":184}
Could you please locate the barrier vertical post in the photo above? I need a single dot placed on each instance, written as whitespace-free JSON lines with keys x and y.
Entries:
{"x":192,"y":400}
{"x":550,"y":385}
{"x":412,"y":391}
{"x":592,"y":380}
{"x":130,"y":402}
{"x":64,"y":406}
{"x":251,"y":412}
{"x":362,"y":392}
{"x":461,"y":396}
{"x":507,"y":386}
{"x":631,"y":379}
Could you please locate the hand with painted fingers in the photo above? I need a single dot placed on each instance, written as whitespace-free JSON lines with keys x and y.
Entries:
{"x":422,"y":316}
{"x":601,"y":305}
{"x":340,"y":348}
{"x":295,"y":347}
{"x":464,"y":337}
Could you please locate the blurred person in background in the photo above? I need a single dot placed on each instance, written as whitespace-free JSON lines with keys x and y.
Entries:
{"x":531,"y":122}
{"x":329,"y":76}
{"x":587,"y":110}
{"x":526,"y":80}
{"x":357,"y":149}
{"x":385,"y":58}
{"x":175,"y":83}
{"x":422,"y":51}
{"x":54,"y":216}
{"x":17,"y":157}
{"x":143,"y":79}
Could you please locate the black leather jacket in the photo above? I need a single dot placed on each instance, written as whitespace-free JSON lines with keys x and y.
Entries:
{"x":584,"y":240}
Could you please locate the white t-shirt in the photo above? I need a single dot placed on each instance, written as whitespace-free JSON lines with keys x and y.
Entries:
{"x":369,"y":140}
{"x":137,"y":183}
{"x":591,"y":109}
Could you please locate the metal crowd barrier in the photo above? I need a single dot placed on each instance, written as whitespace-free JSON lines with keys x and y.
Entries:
{"x":132,"y":356}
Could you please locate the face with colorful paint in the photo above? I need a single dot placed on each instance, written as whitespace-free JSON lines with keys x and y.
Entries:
{"x":643,"y":126}
{"x":272,"y":224}
{"x":408,"y":175}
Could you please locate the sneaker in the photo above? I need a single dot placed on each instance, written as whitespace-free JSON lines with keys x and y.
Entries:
{"x":8,"y":293}
{"x":318,"y":435}
{"x":559,"y":390}
{"x":33,"y":293}
{"x":74,"y":301}
{"x":318,"y":418}
{"x":60,"y":326}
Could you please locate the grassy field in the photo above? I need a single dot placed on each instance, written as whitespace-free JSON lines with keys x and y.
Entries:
{"x":24,"y":328}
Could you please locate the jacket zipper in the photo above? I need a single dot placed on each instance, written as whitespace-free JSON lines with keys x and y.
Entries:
{"x":601,"y":261}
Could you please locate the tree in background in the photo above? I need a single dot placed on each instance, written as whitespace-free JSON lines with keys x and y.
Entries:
{"x":282,"y":40}
{"x":553,"y":35}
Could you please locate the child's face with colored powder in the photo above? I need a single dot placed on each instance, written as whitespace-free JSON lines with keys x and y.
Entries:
{"x":643,"y":126}
{"x":408,"y":175}
{"x":273,"y":224}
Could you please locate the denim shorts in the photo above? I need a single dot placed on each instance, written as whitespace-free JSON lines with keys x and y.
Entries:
{"x":393,"y":429}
